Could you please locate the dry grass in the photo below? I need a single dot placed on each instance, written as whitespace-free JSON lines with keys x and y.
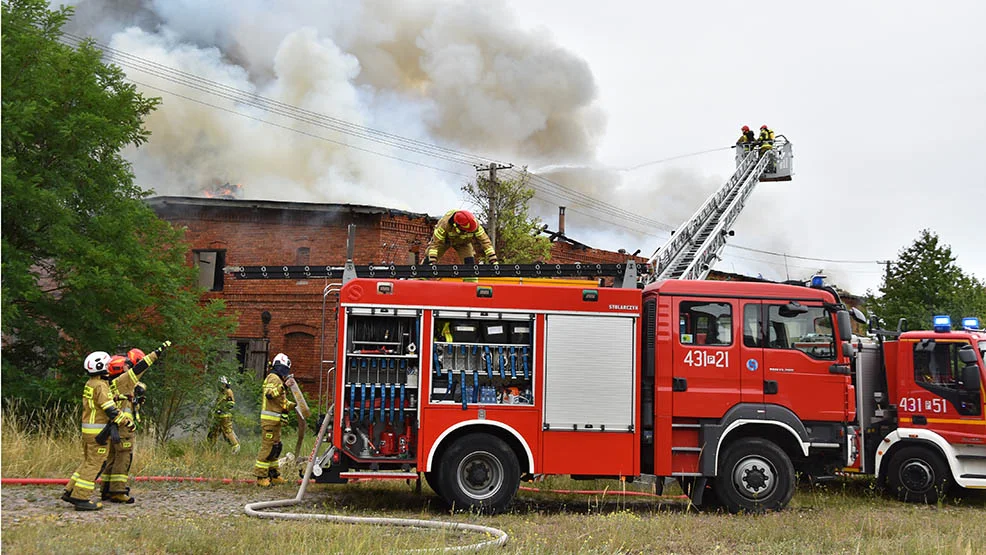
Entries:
{"x":844,"y":517}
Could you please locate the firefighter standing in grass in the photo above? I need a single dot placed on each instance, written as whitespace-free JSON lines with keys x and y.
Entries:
{"x":98,"y":410}
{"x":274,"y":409}
{"x":223,"y":416}
{"x":457,"y":229}
{"x":128,"y":393}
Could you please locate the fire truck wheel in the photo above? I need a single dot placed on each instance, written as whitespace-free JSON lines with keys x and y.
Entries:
{"x":479,"y":472}
{"x":755,"y":475}
{"x":432,"y":479}
{"x":918,"y":475}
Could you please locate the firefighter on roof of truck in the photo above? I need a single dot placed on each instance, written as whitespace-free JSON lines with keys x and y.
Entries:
{"x":274,"y":409}
{"x":98,"y":411}
{"x":457,"y":229}
{"x":223,"y":419}
{"x":125,"y":372}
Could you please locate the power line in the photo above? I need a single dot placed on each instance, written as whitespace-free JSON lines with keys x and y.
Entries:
{"x":811,"y":258}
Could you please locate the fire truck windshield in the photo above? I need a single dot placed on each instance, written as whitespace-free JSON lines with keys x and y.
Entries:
{"x":809,"y":331}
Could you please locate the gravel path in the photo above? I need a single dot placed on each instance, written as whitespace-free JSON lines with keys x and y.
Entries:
{"x":26,"y":504}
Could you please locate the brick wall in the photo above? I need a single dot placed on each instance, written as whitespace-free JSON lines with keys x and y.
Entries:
{"x":263,"y":232}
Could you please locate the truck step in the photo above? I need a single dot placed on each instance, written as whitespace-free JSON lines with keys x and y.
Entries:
{"x":372,"y":475}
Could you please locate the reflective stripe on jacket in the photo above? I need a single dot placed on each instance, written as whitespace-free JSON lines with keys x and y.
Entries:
{"x":446,"y":232}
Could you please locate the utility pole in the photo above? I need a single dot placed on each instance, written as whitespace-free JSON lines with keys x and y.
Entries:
{"x":491,"y":214}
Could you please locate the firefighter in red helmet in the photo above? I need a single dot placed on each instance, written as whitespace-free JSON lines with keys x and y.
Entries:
{"x":747,"y":138}
{"x":766,"y":138}
{"x":457,"y":229}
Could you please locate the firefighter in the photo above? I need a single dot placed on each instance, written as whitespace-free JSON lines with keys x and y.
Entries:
{"x":98,"y":411}
{"x":128,"y":392}
{"x":274,"y":409}
{"x":223,"y":415}
{"x":747,"y":138}
{"x":766,"y":139}
{"x":457,"y":229}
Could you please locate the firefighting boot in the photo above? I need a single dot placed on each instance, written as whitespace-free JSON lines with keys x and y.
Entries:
{"x":86,"y":505}
{"x":121,"y":498}
{"x":263,"y":482}
{"x":236,"y":448}
{"x":67,"y":497}
{"x":277,"y":480}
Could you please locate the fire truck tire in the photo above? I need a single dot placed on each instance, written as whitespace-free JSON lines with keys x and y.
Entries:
{"x":754,"y":476}
{"x":432,"y":479}
{"x":918,"y":475}
{"x":479,"y":472}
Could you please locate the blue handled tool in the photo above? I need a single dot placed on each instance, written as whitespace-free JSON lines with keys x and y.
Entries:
{"x":437,"y":362}
{"x":402,"y":402}
{"x":465,"y":396}
{"x":373,"y":395}
{"x":488,"y":361}
{"x":502,"y":359}
{"x":393,"y":368}
{"x":352,"y":400}
{"x":383,"y":406}
{"x":527,"y":370}
{"x":362,"y":400}
{"x":363,"y":366}
{"x":449,"y":352}
{"x":513,"y":363}
{"x":475,"y":385}
{"x":352,"y":369}
{"x":393,"y":400}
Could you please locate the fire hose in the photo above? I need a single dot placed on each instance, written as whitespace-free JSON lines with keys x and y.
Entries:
{"x":499,"y":537}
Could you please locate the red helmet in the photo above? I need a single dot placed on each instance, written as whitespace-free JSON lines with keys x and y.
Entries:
{"x":118,"y":365}
{"x":465,"y":221}
{"x":763,"y":127}
{"x":135,"y":356}
{"x":746,"y":128}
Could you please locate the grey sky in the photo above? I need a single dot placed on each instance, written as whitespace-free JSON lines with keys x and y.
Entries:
{"x":885,"y":103}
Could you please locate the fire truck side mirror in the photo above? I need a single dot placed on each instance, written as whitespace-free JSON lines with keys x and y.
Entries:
{"x":967,"y":355}
{"x":859,"y":315}
{"x":848,"y":350}
{"x":844,"y":323}
{"x":970,"y":378}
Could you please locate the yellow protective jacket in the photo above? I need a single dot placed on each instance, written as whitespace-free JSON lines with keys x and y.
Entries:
{"x":747,"y":137}
{"x":447,"y":233}
{"x":225,"y":402}
{"x":766,"y":136}
{"x":274,"y":402}
{"x":98,"y":407}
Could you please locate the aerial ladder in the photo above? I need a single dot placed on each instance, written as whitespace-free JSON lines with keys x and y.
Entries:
{"x":694,"y":247}
{"x":689,"y":254}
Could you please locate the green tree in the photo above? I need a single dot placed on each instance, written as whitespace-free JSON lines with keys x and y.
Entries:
{"x":518,"y":235}
{"x":86,"y":264}
{"x":925,"y":281}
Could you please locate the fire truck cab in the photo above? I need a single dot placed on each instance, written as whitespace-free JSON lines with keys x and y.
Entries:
{"x":921,"y":410}
{"x":729,"y":387}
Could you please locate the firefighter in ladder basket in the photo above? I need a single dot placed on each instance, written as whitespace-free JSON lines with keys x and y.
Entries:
{"x":457,"y":229}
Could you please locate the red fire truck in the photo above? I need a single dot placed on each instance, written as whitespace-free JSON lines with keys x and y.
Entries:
{"x":921,"y":414}
{"x":729,"y":387}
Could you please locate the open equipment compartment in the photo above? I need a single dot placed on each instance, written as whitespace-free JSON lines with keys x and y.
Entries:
{"x":484,"y":358}
{"x":381,"y":385}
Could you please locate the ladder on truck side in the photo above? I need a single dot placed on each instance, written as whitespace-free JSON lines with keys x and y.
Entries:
{"x":697,"y":243}
{"x":624,"y":274}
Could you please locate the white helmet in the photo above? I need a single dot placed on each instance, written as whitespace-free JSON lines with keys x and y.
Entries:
{"x":98,"y":362}
{"x":281,"y":358}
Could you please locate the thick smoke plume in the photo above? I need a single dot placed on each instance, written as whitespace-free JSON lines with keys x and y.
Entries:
{"x":463,"y":75}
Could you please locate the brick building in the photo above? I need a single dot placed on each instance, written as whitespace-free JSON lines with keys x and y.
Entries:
{"x":284,"y":315}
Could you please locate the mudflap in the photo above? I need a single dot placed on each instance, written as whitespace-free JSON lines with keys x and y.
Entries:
{"x":698,"y":490}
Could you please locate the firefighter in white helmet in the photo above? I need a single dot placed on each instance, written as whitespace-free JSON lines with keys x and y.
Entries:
{"x":274,"y":409}
{"x":98,"y":410}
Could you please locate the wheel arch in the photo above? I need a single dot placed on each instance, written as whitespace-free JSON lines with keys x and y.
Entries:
{"x":512,"y":437}
{"x":778,"y":433}
{"x":905,"y":437}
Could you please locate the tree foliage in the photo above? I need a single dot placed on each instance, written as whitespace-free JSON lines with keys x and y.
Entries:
{"x":86,"y":264}
{"x":518,"y":235}
{"x":925,"y":281}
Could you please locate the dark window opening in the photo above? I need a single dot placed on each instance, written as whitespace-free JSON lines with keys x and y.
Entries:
{"x":210,"y":265}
